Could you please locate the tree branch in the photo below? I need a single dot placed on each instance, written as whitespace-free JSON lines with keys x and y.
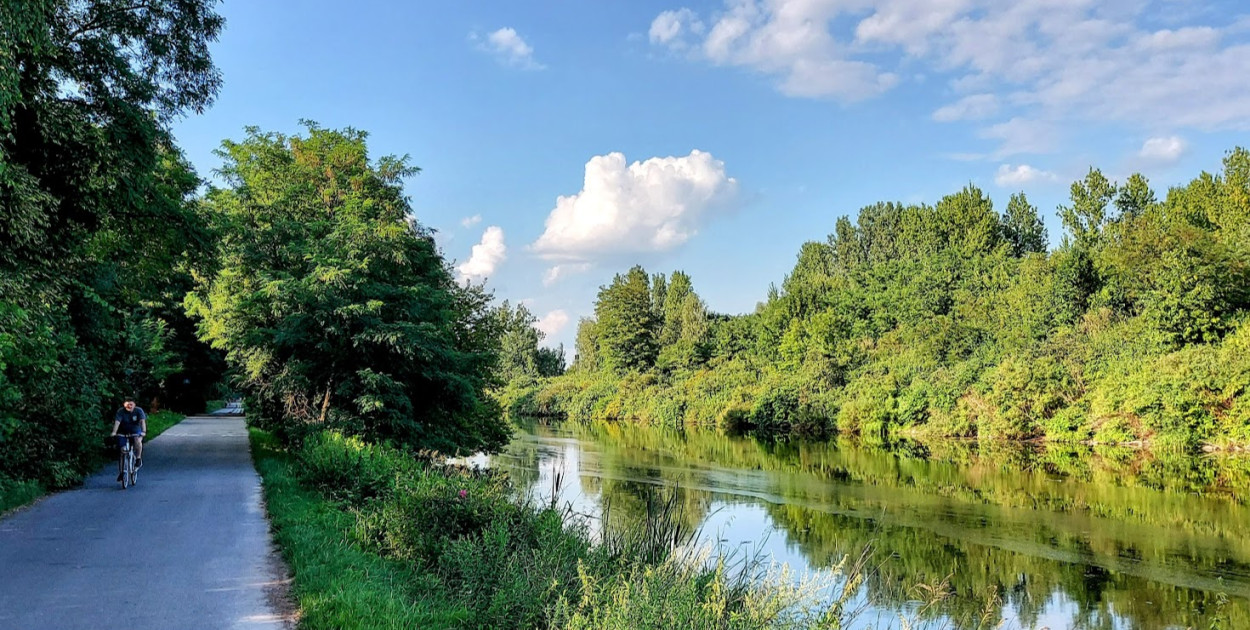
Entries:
{"x":94,"y":22}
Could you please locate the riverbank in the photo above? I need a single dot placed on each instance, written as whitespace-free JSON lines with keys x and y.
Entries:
{"x":378,"y":538}
{"x":1104,"y":392}
{"x":17,"y":493}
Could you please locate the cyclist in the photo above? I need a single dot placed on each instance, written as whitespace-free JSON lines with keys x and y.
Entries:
{"x":130,"y":420}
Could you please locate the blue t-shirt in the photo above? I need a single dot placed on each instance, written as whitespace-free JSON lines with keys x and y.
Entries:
{"x":128,"y":421}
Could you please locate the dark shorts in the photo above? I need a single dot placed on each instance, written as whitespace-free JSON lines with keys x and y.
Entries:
{"x":122,"y":437}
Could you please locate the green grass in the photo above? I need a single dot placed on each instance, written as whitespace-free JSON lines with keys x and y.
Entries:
{"x":15,"y":494}
{"x":337,"y":584}
{"x":377,"y":538}
{"x":20,"y":493}
{"x":159,"y":421}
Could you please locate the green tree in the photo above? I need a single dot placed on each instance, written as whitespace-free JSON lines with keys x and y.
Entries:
{"x":848,"y":253}
{"x":336,"y":307}
{"x":1234,"y":209}
{"x":626,"y":323}
{"x":673,"y":302}
{"x":659,"y":290}
{"x":73,"y":159}
{"x":1135,"y":196}
{"x":1022,"y":228}
{"x":518,"y":344}
{"x":969,"y":221}
{"x":550,"y":361}
{"x":521,"y":359}
{"x":87,"y":166}
{"x":1087,"y":216}
{"x":587,"y":345}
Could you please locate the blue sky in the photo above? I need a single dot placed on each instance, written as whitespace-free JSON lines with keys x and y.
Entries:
{"x":562,"y":142}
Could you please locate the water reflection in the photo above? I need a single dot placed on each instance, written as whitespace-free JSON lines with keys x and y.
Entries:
{"x":1070,"y":537}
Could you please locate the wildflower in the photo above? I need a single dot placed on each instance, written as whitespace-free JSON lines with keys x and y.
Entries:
{"x":464,"y":493}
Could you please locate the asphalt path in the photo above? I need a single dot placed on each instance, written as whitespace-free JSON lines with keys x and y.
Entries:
{"x":188,"y":547}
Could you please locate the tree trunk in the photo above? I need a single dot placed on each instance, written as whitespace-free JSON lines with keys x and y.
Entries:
{"x":325,"y":404}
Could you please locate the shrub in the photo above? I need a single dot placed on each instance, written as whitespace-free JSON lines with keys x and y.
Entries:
{"x":348,"y":469}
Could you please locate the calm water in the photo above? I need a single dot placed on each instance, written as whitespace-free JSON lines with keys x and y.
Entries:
{"x":1070,"y":537}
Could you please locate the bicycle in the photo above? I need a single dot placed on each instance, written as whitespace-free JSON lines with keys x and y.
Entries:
{"x":130,"y":474}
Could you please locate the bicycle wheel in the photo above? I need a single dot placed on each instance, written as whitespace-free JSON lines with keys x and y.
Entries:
{"x":128,"y":464}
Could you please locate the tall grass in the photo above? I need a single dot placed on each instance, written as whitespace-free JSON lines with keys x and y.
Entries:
{"x":379,"y":538}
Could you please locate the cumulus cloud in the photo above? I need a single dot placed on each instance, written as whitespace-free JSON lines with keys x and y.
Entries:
{"x":1012,"y":177}
{"x":649,"y":206}
{"x":1163,"y":150}
{"x":471,"y":221}
{"x":1042,"y":60}
{"x":486,"y":255}
{"x":509,"y":48}
{"x":554,"y":273}
{"x":552,"y":322}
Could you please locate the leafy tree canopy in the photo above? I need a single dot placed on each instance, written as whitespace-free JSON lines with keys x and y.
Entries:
{"x":335,"y":305}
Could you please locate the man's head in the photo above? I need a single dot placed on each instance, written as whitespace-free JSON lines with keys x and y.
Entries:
{"x":129,"y":404}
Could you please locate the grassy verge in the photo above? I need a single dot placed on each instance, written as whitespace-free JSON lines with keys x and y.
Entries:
{"x":18,"y":493}
{"x":15,"y":494}
{"x":376,"y":538}
{"x":337,"y":584}
{"x":159,"y":421}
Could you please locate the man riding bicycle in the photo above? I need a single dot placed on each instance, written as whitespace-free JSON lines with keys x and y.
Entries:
{"x":130,"y":421}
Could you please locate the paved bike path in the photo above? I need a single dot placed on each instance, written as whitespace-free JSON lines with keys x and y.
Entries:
{"x":188,"y":547}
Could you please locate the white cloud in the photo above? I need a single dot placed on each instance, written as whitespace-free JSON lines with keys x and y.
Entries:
{"x":486,"y":255}
{"x":1022,"y":135}
{"x":1163,"y":150}
{"x":1010,"y":177}
{"x":1056,"y":62}
{"x":650,"y":206}
{"x":556,"y":272}
{"x":787,"y":39}
{"x":509,"y":48}
{"x":471,"y":221}
{"x":670,"y":27}
{"x":552,"y":322}
{"x":971,"y":107}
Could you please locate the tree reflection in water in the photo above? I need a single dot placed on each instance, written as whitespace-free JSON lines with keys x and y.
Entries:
{"x":1064,"y":536}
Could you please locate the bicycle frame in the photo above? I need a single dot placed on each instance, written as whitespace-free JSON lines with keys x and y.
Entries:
{"x":127,"y":461}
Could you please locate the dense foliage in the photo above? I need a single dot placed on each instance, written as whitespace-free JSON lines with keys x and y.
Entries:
{"x":306,"y":272}
{"x":99,"y":229}
{"x":335,"y":306}
{"x":953,"y":320}
{"x":522,"y":361}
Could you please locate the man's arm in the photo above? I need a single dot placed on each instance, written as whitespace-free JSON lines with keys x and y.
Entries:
{"x":115,"y":425}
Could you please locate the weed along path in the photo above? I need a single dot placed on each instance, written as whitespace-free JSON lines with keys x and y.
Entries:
{"x":188,"y":547}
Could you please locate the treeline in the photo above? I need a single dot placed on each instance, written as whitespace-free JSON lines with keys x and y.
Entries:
{"x":99,"y":229}
{"x":954,"y":320}
{"x":300,"y":279}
